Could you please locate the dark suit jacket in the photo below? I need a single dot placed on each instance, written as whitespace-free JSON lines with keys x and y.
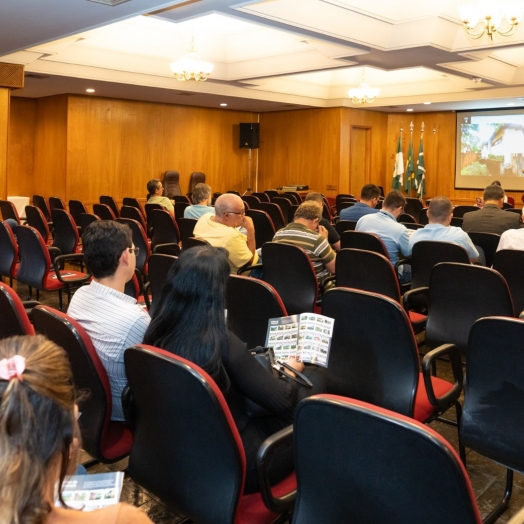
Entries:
{"x":490,"y":219}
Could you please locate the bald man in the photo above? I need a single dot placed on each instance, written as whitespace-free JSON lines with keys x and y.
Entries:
{"x":220,"y":231}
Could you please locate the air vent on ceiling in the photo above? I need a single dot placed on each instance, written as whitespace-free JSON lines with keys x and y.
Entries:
{"x":393,"y":107}
{"x":110,"y":3}
{"x":36,"y":77}
{"x":185,"y":93}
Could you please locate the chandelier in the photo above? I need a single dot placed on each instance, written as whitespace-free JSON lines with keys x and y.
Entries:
{"x":489,"y":17}
{"x":363,"y":94}
{"x":191,"y":66}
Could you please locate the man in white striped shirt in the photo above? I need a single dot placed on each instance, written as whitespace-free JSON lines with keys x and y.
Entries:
{"x":113,"y":320}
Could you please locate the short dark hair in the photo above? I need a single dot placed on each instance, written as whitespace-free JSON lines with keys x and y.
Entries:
{"x":369,"y":191}
{"x":315,"y":197}
{"x":440,"y":208}
{"x":394,"y":199}
{"x":200,"y":193}
{"x":104,"y":241}
{"x":152,"y":185}
{"x":308,"y":211}
{"x":493,"y":193}
{"x":496,"y":183}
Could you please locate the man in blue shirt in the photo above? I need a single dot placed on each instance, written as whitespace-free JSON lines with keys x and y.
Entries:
{"x":439,"y":215}
{"x":368,"y":200}
{"x":384,"y":224}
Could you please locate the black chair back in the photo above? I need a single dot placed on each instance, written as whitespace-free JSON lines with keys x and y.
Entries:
{"x":427,"y":254}
{"x":345,"y":225}
{"x":35,"y":261}
{"x":165,"y":230}
{"x":111,"y":202}
{"x":514,"y":210}
{"x":181,"y":199}
{"x":343,"y":204}
{"x":8,"y":210}
{"x":65,"y":232}
{"x":456,"y":222}
{"x":35,"y":218}
{"x":56,"y":203}
{"x":13,"y":314}
{"x":105,"y":440}
{"x":289,"y":270}
{"x":275,"y":213}
{"x":186,"y":227}
{"x":103,"y":211}
{"x":250,"y":305}
{"x":284,"y":204}
{"x":291,"y":212}
{"x":293,"y":194}
{"x":251,"y":201}
{"x":76,"y":208}
{"x":133,"y":202}
{"x":261,"y":196}
{"x":361,"y":240}
{"x":271,"y":193}
{"x":510,"y":264}
{"x":405,"y":217}
{"x":360,"y":446}
{"x":345,"y":196}
{"x":140,"y":241}
{"x":180,"y":207}
{"x":86,"y":219}
{"x":41,"y":203}
{"x":133,"y":213}
{"x":460,"y":211}
{"x":460,"y":294}
{"x":488,"y":242}
{"x":159,"y":266}
{"x":412,"y":207}
{"x":423,"y":216}
{"x":171,"y":184}
{"x":8,"y":251}
{"x":195,"y":242}
{"x":264,"y":228}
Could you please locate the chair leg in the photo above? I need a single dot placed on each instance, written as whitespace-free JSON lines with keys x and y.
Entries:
{"x":60,"y":300}
{"x":37,"y":294}
{"x":501,"y":508}
{"x":30,"y":293}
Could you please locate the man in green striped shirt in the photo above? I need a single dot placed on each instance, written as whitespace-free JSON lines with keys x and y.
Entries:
{"x":305,"y":232}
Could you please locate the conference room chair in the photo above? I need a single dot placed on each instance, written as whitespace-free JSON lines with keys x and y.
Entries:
{"x":274,"y":212}
{"x":326,"y":211}
{"x":171,"y":184}
{"x":8,"y":210}
{"x":186,"y":227}
{"x":362,"y":240}
{"x":514,"y":210}
{"x":288,"y":269}
{"x":423,"y":216}
{"x":104,"y":439}
{"x":86,"y":219}
{"x":104,"y":212}
{"x":187,"y":450}
{"x":56,"y":203}
{"x":250,"y":305}
{"x":140,"y":241}
{"x":460,"y":211}
{"x":65,"y":230}
{"x":165,"y":230}
{"x":197,"y":177}
{"x":374,"y":357}
{"x":296,"y":196}
{"x":372,"y":272}
{"x":411,"y":225}
{"x":493,"y":421}
{"x":291,"y":198}
{"x":111,"y":202}
{"x":180,"y":207}
{"x":459,"y":295}
{"x":510,"y":264}
{"x":190,"y":242}
{"x":344,"y":204}
{"x":8,"y":252}
{"x":271,"y":193}
{"x":41,"y":203}
{"x":291,"y":213}
{"x":261,"y":196}
{"x":361,"y":464}
{"x":148,"y":208}
{"x":159,"y":266}
{"x":134,"y":288}
{"x":76,"y":208}
{"x":35,"y":265}
{"x":406,"y":218}
{"x":181,"y":199}
{"x":345,"y":196}
{"x":345,"y":225}
{"x":507,"y":205}
{"x":488,"y":242}
{"x":133,"y":202}
{"x":13,"y":313}
{"x":413,"y":207}
{"x":456,"y":222}
{"x":251,"y":201}
{"x":134,"y":213}
{"x":35,"y":218}
{"x":284,"y":204}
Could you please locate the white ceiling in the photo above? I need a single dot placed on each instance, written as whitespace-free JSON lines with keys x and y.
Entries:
{"x":268,"y":55}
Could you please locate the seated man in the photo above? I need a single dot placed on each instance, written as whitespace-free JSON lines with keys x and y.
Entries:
{"x":384,"y":224}
{"x":202,"y":202}
{"x":512,"y":239}
{"x":305,"y":232}
{"x":219,"y":230}
{"x":333,"y":236}
{"x":491,"y":218}
{"x":369,"y":196}
{"x":155,"y":190}
{"x":113,"y":320}
{"x":439,"y":215}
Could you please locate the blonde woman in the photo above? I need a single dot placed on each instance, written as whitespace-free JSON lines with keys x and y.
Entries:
{"x":39,"y":436}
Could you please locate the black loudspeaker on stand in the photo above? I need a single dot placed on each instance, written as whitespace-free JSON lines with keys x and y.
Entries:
{"x":249,"y":136}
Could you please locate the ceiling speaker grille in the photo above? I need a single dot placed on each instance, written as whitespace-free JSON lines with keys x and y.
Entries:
{"x":11,"y":75}
{"x":110,"y":3}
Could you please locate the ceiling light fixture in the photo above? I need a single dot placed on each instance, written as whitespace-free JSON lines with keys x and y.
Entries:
{"x":191,"y":66}
{"x":427,"y":103}
{"x":90,"y":90}
{"x":223,"y":104}
{"x":490,"y":17}
{"x":363,"y":94}
{"x":409,"y":110}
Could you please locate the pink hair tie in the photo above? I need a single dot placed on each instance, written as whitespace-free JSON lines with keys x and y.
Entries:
{"x":12,"y":367}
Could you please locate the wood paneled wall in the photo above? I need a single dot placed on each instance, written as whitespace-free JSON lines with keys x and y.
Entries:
{"x":4,"y":125}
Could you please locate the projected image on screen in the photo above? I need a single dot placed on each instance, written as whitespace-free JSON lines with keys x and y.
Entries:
{"x":490,"y":146}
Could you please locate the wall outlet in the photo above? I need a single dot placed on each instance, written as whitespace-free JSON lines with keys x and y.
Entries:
{"x":331,"y":188}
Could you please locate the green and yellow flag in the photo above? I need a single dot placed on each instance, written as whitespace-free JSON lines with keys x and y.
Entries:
{"x":421,"y":170}
{"x":410,"y":169}
{"x":398,"y":170}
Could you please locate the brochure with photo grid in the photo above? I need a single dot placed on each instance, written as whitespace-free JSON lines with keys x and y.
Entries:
{"x":306,"y":336}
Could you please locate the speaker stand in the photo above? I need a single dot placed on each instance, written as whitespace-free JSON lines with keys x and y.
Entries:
{"x":248,"y":189}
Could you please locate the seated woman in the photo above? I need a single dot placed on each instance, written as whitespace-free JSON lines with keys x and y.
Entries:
{"x":190,"y":321}
{"x":39,"y":436}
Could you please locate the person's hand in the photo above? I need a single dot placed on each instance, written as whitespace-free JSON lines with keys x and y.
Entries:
{"x":323,"y":231}
{"x":247,"y":223}
{"x":295,"y":364}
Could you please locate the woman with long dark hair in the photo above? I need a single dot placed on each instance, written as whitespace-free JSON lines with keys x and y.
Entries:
{"x":39,"y":436}
{"x":190,"y":321}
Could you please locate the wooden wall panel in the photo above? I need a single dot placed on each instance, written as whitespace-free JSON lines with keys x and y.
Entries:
{"x":50,"y":177}
{"x":300,"y":147}
{"x":4,"y":124}
{"x":116,"y":146}
{"x":20,"y":160}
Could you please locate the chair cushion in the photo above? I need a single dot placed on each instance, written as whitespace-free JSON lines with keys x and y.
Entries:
{"x":423,"y":409}
{"x":416,"y":317}
{"x":117,"y":440}
{"x":52,"y":283}
{"x":252,"y":509}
